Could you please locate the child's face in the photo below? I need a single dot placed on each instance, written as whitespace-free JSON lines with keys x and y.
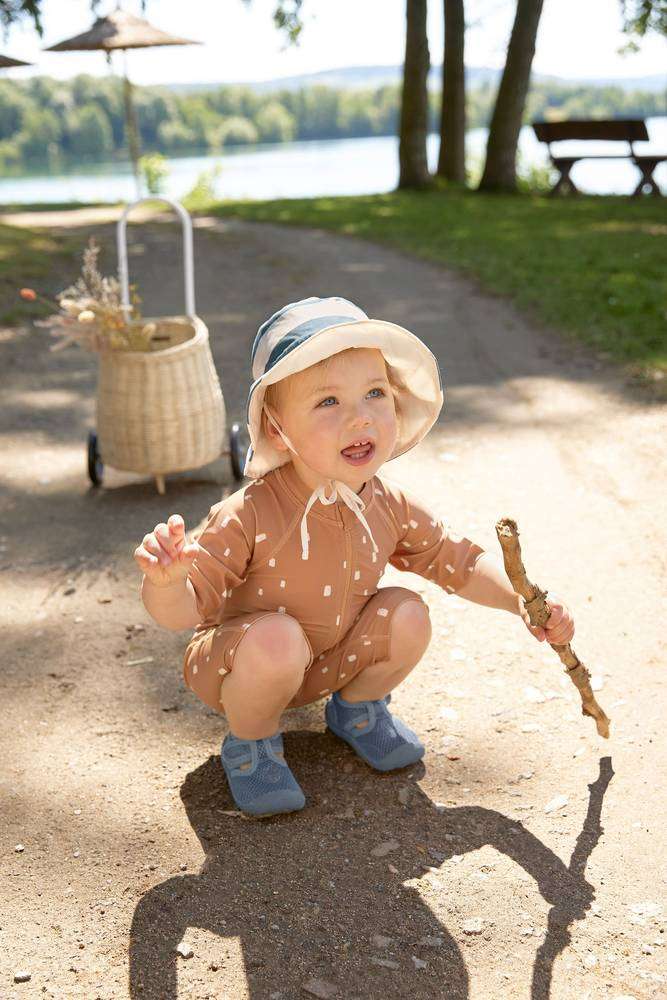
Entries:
{"x":326,"y":409}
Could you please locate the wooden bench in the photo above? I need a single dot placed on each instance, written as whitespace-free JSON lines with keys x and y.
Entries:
{"x":628,"y":130}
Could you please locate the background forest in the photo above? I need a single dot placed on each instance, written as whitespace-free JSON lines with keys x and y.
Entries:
{"x":43,"y":120}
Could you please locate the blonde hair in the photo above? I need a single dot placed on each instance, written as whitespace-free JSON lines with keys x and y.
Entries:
{"x":279,"y":393}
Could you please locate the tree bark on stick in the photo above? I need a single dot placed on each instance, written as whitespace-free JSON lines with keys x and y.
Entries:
{"x":451,"y":158}
{"x":414,"y":101}
{"x":534,"y":600}
{"x":500,"y":167}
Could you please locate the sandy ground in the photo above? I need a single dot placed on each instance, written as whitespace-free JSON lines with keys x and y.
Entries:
{"x":457,"y":878}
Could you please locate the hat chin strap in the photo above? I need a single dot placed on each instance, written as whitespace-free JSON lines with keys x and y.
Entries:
{"x":347,"y":495}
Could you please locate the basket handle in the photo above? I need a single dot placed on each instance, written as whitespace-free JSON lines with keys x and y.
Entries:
{"x":188,"y":267}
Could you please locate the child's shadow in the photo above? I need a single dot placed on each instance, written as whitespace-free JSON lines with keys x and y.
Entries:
{"x":305,"y":895}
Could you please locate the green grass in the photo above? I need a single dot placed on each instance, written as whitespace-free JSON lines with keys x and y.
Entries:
{"x":593,"y":267}
{"x":32,"y":258}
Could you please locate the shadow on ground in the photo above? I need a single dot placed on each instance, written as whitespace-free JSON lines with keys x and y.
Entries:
{"x":307,"y":898}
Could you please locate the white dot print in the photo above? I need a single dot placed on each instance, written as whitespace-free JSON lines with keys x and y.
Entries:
{"x":327,"y":590}
{"x":414,"y":524}
{"x":337,"y":619}
{"x":367,"y":642}
{"x":344,"y":563}
{"x":357,"y":574}
{"x":374,"y":557}
{"x":260,"y":538}
{"x":195,"y":668}
{"x":321,"y":656}
{"x":222,"y":671}
{"x":449,"y":567}
{"x":383,"y":612}
{"x":282,"y":584}
{"x":225,"y":521}
{"x":406,"y":562}
{"x":352,"y":658}
{"x":227,"y":551}
{"x":363,"y":538}
{"x":260,"y":591}
{"x":343,"y":675}
{"x":281,"y":610}
{"x":325,"y":670}
{"x":272,"y":562}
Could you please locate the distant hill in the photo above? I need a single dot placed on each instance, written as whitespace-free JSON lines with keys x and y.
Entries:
{"x":359,"y":77}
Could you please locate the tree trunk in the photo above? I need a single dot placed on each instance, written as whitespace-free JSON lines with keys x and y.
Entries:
{"x":451,"y":160}
{"x":500,"y":167}
{"x":414,"y":103}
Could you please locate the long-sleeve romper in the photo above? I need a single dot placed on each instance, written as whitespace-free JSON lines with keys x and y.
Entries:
{"x":250,"y":565}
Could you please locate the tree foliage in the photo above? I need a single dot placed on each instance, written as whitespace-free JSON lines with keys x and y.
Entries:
{"x":641,"y":16}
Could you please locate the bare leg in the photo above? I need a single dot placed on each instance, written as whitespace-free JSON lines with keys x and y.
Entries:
{"x":268,"y":670}
{"x":410,"y":636}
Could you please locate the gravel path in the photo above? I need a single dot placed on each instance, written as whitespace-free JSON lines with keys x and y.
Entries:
{"x":524,"y":858}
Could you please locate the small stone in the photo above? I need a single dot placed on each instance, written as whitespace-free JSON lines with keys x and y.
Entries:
{"x":472,"y":926}
{"x":69,"y":591}
{"x":22,"y":977}
{"x":183,"y":867}
{"x":431,"y":942}
{"x":404,"y":795}
{"x":386,"y":963}
{"x":184,"y":950}
{"x":419,"y":963}
{"x":383,"y":849}
{"x":394,"y":871}
{"x":527,"y":931}
{"x":78,"y":620}
{"x":557,"y":803}
{"x":321,"y":988}
{"x":19,"y":848}
{"x":647,"y":949}
{"x":526,"y":775}
{"x":590,"y":961}
{"x":104,"y":600}
{"x":380,"y":941}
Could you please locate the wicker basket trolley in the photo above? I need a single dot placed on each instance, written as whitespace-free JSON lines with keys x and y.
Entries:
{"x":161,"y":410}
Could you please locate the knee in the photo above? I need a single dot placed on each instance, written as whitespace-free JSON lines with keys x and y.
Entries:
{"x":411,"y":628}
{"x":275,"y":645}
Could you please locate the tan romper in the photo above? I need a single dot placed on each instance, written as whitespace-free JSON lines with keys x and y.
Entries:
{"x":250,"y":565}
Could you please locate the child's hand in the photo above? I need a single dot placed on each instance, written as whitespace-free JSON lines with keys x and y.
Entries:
{"x":560,"y":625}
{"x":163,"y":555}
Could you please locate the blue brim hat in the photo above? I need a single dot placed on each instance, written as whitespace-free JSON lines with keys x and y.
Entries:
{"x":303,"y":333}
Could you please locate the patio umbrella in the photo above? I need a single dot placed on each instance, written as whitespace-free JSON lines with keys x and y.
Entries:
{"x":121,"y":30}
{"x":6,"y":62}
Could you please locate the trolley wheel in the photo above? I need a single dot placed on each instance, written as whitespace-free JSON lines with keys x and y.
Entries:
{"x":95,"y":464}
{"x":237,"y":451}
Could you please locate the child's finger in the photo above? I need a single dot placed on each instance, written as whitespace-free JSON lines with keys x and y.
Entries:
{"x":145,"y":559}
{"x":176,"y":525}
{"x":161,"y":532}
{"x":151,"y":544}
{"x":188,"y":553}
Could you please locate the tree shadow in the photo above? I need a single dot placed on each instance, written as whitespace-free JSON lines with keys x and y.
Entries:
{"x":305,"y":895}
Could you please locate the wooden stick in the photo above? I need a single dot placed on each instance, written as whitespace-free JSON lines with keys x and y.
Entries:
{"x":538,"y":610}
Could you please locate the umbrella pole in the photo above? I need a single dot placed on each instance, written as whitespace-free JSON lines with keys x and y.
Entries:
{"x":131,"y":124}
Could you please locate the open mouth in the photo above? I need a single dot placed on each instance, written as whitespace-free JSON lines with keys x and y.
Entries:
{"x":359,"y":452}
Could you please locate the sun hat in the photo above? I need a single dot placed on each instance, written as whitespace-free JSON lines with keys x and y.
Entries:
{"x":305,"y":332}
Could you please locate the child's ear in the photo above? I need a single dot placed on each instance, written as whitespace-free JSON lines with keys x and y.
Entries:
{"x":272,"y":434}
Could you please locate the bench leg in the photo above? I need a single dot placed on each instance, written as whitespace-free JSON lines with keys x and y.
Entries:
{"x":647,"y":181}
{"x":565,"y":182}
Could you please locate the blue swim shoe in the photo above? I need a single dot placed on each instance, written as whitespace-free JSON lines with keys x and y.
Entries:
{"x":260,"y":780}
{"x":379,"y":738}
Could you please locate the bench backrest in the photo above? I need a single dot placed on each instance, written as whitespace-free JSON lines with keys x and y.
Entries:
{"x":628,"y":129}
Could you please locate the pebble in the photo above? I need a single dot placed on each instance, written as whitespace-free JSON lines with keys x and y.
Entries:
{"x":321,"y":988}
{"x":404,"y":795}
{"x":590,"y":961}
{"x":22,"y":977}
{"x":472,"y":926}
{"x":383,"y":849}
{"x":557,"y":803}
{"x":184,"y":950}
{"x":431,"y":942}
{"x":448,"y":713}
{"x":647,"y":949}
{"x":78,"y":620}
{"x":526,"y":775}
{"x":380,"y":941}
{"x":419,"y":963}
{"x":19,"y":848}
{"x":386,"y":963}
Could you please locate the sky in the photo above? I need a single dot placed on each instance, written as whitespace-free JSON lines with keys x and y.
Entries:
{"x":577,"y":38}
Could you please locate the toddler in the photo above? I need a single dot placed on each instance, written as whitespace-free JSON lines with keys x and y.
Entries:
{"x":281,"y":587}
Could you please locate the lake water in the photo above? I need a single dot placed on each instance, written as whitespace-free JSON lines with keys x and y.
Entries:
{"x":329,"y":167}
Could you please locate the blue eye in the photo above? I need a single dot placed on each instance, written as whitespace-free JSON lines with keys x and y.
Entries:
{"x":376,"y":389}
